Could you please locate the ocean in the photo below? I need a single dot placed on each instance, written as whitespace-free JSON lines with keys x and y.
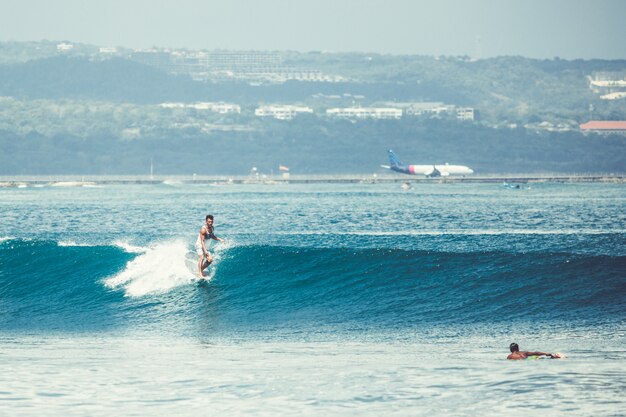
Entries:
{"x":325,"y":299}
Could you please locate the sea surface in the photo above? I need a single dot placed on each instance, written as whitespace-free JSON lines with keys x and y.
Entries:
{"x":325,"y":299}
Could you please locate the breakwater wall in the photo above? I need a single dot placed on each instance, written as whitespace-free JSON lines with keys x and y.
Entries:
{"x":25,"y":181}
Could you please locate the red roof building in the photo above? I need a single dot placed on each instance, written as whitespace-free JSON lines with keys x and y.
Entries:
{"x":606,"y":127}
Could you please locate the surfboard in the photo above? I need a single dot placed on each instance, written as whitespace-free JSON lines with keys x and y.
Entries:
{"x":555,"y":356}
{"x":191,"y":261}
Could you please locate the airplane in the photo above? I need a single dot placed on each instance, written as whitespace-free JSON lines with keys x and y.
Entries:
{"x":427,"y":170}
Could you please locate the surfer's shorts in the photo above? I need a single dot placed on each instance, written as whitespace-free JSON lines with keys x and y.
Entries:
{"x":199,"y":251}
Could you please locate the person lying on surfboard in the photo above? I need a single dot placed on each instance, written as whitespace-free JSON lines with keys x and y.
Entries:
{"x":516,"y":354}
{"x":206,"y":234}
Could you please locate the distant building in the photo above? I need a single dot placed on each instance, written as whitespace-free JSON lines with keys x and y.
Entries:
{"x":173,"y":105}
{"x":435,"y":109}
{"x":550,"y":127}
{"x":614,"y":96}
{"x":365,"y":113}
{"x":285,"y":112}
{"x":254,"y":67}
{"x":228,"y":60}
{"x":465,"y":113}
{"x":610,"y":84}
{"x":604,"y":127}
{"x":222,"y":108}
{"x":426,"y":108}
{"x":64,"y":47}
{"x":108,"y":50}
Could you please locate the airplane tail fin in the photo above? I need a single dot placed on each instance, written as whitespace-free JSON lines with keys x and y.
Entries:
{"x":393,"y":159}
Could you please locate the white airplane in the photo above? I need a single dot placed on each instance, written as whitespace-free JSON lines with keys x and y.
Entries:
{"x":427,"y":170}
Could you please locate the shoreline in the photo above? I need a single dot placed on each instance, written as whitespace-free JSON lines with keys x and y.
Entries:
{"x":90,"y":180}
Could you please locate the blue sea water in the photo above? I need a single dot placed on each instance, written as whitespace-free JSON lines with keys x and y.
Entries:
{"x":326,"y":299}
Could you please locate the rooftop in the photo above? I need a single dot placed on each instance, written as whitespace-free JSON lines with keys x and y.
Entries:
{"x":603,"y":125}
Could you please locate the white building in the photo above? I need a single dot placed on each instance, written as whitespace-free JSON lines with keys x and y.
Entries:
{"x":465,"y":113}
{"x":108,"y":50}
{"x":435,"y":109}
{"x":64,"y":47}
{"x":221,"y":108}
{"x":426,"y":108}
{"x":285,"y":112}
{"x":173,"y":105}
{"x":365,"y":113}
{"x":608,"y":82}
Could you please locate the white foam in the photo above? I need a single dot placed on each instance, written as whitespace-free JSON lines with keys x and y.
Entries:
{"x":72,"y":184}
{"x":73,"y":243}
{"x":158,"y":269}
{"x":6,"y":238}
{"x":172,"y":182}
{"x":128,"y":247}
{"x":460,"y":232}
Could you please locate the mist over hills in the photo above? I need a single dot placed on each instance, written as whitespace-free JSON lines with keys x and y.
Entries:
{"x":85,"y":112}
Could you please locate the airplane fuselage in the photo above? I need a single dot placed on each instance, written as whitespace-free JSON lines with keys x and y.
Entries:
{"x":433,"y":170}
{"x":427,"y":170}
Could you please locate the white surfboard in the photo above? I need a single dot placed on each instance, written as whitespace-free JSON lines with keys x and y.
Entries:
{"x":191,"y":261}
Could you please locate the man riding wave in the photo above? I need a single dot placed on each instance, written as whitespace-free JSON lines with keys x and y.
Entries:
{"x":203,"y":242}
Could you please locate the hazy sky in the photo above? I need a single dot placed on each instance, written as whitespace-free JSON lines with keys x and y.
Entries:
{"x":532,"y":28}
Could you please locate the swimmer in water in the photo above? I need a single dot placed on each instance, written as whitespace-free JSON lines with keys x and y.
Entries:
{"x":516,"y":354}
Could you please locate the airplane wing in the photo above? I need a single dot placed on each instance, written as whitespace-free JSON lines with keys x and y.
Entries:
{"x":434,"y":172}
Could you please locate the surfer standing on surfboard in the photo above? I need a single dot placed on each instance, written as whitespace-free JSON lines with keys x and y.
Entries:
{"x":206,"y":234}
{"x":516,"y":354}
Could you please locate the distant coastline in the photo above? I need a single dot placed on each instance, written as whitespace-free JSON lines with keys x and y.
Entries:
{"x":74,"y":108}
{"x":78,"y":181}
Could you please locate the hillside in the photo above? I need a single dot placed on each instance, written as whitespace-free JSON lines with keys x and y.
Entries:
{"x":85,"y":112}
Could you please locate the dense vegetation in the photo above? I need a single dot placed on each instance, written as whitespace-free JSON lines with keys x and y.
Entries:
{"x":81,"y":113}
{"x":313,"y":146}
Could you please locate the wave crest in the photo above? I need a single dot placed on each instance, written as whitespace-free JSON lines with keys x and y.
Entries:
{"x":43,"y":284}
{"x":160,"y":268}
